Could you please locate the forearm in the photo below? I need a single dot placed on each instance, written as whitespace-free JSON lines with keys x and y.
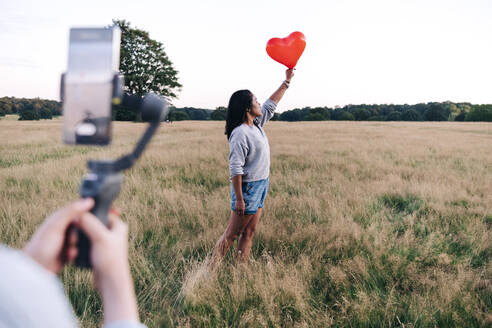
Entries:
{"x":237,"y":181}
{"x":119,"y":300}
{"x":279,"y":93}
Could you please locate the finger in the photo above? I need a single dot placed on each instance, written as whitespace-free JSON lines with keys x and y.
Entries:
{"x":72,"y":211}
{"x":113,"y":220}
{"x":93,"y":227}
{"x":117,"y":225}
{"x":115,"y":211}
{"x":72,"y":253}
{"x":73,"y":237}
{"x":69,"y":242}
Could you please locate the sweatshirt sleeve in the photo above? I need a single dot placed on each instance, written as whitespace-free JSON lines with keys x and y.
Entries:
{"x":238,"y":150}
{"x":267,"y":110}
{"x":30,"y":295}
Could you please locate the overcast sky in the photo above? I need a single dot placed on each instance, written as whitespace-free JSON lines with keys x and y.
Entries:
{"x":358,"y":51}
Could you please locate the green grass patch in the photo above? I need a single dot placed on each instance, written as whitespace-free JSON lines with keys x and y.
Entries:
{"x":369,"y":215}
{"x":288,"y":250}
{"x":209,"y":180}
{"x":19,"y":189}
{"x":9,"y":162}
{"x":407,"y":204}
{"x":57,"y":154}
{"x":481,"y":259}
{"x":488,"y":221}
{"x":324,"y":291}
{"x":461,"y":203}
{"x":288,"y":312}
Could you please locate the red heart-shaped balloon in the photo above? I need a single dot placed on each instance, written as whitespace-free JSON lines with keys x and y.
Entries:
{"x":287,"y":50}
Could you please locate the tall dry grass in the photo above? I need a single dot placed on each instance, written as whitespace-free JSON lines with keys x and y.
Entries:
{"x":366,"y":224}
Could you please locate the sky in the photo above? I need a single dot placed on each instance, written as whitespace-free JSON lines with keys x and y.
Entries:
{"x":358,"y":51}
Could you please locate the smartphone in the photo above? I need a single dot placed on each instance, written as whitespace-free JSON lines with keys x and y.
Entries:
{"x":87,"y":87}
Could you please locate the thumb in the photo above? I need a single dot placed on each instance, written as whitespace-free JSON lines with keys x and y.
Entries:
{"x":67,"y":214}
{"x":115,"y":224}
{"x":93,"y":227}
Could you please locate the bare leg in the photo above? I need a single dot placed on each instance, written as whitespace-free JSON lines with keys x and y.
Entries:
{"x":233,"y":231}
{"x":246,"y":239}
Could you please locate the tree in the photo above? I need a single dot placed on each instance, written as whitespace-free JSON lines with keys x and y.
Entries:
{"x":480,"y":113}
{"x":27,"y":112}
{"x":464,"y":107}
{"x":45,"y":113}
{"x":394,"y":116}
{"x":28,"y":115}
{"x":460,"y":117}
{"x":53,"y":106}
{"x":410,"y":115}
{"x":178,"y":116}
{"x":291,"y":115}
{"x":145,"y":63}
{"x":314,"y":117}
{"x":346,"y":116}
{"x":219,"y":114}
{"x":124,"y":114}
{"x":5,"y":106}
{"x":197,"y":114}
{"x":436,"y":112}
{"x":453,"y":110}
{"x":362,"y":114}
{"x":319,"y":111}
{"x":377,"y":118}
{"x":336,"y":113}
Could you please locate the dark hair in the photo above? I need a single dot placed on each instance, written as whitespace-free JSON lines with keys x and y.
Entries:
{"x":236,"y":110}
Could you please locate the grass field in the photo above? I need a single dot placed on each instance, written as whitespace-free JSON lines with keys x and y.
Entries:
{"x":366,"y":224}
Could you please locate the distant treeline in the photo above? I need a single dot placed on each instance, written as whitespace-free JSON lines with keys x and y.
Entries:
{"x":35,"y":109}
{"x":434,"y":111}
{"x":30,"y":109}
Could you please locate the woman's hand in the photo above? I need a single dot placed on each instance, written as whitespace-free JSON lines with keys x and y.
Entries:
{"x":47,"y":244}
{"x":289,"y":74}
{"x":109,"y":254}
{"x":240,"y":207}
{"x":279,"y":93}
{"x":109,"y":258}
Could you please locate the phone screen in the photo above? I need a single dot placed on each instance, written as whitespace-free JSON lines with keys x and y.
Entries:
{"x":87,"y":86}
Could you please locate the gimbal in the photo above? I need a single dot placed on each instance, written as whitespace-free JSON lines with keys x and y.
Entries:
{"x":103,"y":182}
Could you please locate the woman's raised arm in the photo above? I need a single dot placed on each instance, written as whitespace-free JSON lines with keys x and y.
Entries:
{"x":279,"y":93}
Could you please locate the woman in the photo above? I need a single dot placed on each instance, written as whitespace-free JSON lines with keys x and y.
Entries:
{"x":249,"y":165}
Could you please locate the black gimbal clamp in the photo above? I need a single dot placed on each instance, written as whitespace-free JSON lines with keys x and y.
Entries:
{"x":103,"y":182}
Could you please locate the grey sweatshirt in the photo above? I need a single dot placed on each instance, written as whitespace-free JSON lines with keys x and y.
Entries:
{"x":249,"y":152}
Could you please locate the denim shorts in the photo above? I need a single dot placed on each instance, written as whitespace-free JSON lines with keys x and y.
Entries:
{"x":254,"y":193}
